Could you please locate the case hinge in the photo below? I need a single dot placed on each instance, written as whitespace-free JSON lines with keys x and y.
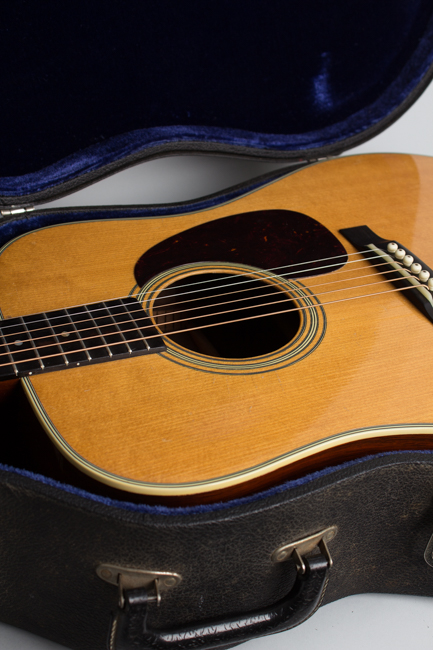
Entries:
{"x":14,"y":209}
{"x":320,"y":159}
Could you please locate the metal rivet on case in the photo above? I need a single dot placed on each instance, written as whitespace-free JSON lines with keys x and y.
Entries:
{"x":281,"y":556}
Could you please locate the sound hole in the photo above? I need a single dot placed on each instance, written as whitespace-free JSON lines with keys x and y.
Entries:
{"x":227,"y":316}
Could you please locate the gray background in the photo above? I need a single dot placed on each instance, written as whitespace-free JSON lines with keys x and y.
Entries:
{"x":367,"y":621}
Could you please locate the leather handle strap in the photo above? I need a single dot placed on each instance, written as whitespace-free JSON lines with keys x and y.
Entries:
{"x":130,"y":631}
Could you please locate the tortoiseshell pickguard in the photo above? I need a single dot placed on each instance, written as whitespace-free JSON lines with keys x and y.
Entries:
{"x":266,"y":239}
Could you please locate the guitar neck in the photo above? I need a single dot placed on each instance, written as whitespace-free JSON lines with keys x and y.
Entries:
{"x":76,"y":336}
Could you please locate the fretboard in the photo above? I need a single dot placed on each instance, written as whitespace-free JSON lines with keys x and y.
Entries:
{"x":78,"y":336}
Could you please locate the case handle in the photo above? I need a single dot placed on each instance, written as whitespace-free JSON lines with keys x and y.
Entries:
{"x":130,"y":631}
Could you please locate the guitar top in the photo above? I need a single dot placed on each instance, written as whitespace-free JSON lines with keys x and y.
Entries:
{"x":218,"y":351}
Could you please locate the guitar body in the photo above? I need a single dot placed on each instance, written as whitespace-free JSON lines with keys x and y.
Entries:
{"x":184,"y":422}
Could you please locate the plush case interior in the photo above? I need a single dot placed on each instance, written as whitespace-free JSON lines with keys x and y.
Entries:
{"x":89,"y":88}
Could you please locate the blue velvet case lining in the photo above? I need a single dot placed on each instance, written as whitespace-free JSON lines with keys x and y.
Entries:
{"x":314,"y":480}
{"x":89,"y":85}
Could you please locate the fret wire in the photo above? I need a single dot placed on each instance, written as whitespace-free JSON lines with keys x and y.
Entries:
{"x":118,"y":328}
{"x":69,"y":343}
{"x":79,"y":338}
{"x":41,"y":363}
{"x":24,"y":358}
{"x":134,"y":322}
{"x":9,"y":353}
{"x":120,"y":308}
{"x":56,"y":338}
{"x":97,"y":328}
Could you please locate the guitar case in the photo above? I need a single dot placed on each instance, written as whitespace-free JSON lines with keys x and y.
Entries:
{"x":91,"y":89}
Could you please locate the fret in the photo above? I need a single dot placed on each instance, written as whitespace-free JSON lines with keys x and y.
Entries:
{"x":78,"y":337}
{"x":66,"y":338}
{"x":20,"y":347}
{"x":117,"y":328}
{"x":56,"y":340}
{"x":85,"y":326}
{"x":89,"y":332}
{"x":48,"y":349}
{"x":105,"y":324}
{"x":125,"y":325}
{"x":8,"y":369}
{"x":136,"y":326}
{"x":69,"y":338}
{"x":33,"y":344}
{"x":152,"y":339}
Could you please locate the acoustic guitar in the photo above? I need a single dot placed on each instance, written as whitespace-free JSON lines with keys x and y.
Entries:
{"x":207,"y":355}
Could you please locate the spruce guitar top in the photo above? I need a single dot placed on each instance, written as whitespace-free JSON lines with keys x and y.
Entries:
{"x":215,"y":353}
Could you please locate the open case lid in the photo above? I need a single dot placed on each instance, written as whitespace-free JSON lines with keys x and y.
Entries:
{"x":90,"y":88}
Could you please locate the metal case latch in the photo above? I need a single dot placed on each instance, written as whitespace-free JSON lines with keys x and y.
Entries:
{"x":156,"y":582}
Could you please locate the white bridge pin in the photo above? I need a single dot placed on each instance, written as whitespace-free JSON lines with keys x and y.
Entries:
{"x":408,"y":260}
{"x":400,"y":253}
{"x":392,"y":247}
{"x":424,"y":275}
{"x":416,"y":268}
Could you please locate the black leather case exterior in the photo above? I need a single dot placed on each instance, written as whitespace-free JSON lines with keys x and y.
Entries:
{"x":52,"y":541}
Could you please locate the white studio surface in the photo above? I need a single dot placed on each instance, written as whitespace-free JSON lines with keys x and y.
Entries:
{"x":373,"y":621}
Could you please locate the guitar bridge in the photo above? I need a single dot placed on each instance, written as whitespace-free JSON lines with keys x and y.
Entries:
{"x":403,"y":268}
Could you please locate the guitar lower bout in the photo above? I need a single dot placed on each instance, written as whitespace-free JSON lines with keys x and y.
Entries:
{"x":298,"y":462}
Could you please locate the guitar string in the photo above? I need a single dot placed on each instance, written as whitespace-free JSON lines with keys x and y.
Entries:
{"x":255,"y":279}
{"x":142,"y":338}
{"x":194,"y":318}
{"x":140,"y":311}
{"x":271,"y":286}
{"x":240,"y":275}
{"x":142,"y":314}
{"x":287,"y":266}
{"x":195,"y":299}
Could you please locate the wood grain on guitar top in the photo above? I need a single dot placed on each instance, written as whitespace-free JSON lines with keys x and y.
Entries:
{"x":168,"y":429}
